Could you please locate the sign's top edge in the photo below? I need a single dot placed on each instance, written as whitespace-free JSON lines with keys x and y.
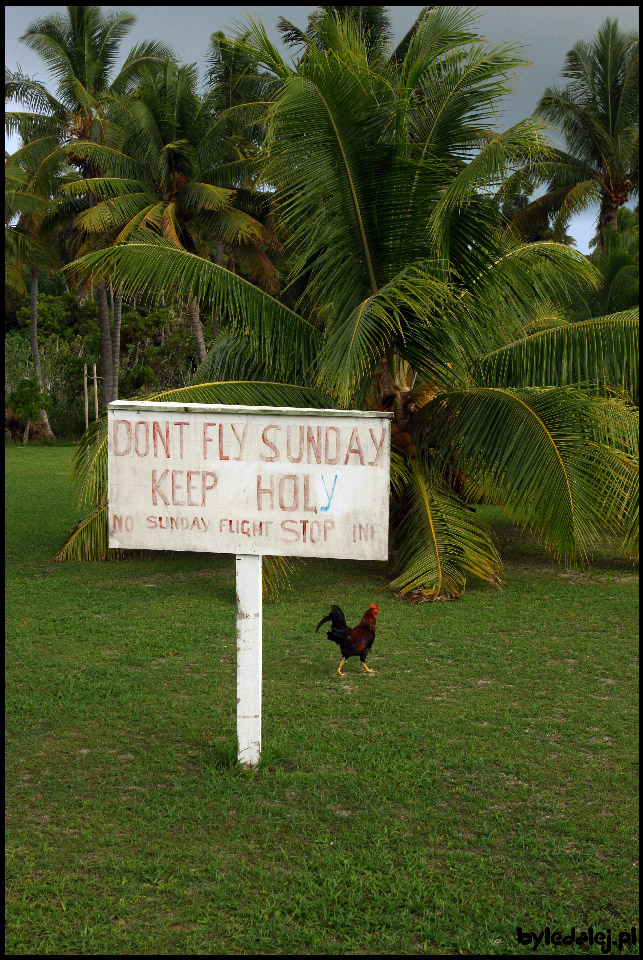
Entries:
{"x":143,"y":405}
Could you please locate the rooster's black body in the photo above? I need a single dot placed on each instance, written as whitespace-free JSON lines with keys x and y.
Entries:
{"x":355,"y":642}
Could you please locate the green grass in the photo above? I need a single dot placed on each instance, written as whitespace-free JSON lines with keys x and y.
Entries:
{"x":483,"y":778}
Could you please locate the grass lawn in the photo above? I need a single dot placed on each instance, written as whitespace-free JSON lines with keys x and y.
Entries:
{"x":483,"y":778}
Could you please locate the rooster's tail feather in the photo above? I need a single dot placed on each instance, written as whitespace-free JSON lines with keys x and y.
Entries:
{"x":336,"y":617}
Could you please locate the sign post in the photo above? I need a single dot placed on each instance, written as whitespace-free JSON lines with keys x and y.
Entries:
{"x":248,"y":659}
{"x":252,"y":481}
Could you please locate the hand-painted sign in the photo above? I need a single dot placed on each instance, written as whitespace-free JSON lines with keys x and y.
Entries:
{"x":248,"y":480}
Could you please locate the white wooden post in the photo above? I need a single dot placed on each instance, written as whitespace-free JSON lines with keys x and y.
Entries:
{"x":86,"y":397}
{"x":95,"y":394}
{"x":248,"y":570}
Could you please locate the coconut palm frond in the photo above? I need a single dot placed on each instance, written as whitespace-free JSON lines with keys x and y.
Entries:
{"x":246,"y":393}
{"x":499,"y":153}
{"x":441,"y":540}
{"x":603,"y":350}
{"x":275,"y":572}
{"x":89,"y":465}
{"x":158,"y":268}
{"x":230,"y":360}
{"x":14,"y":283}
{"x":413,"y":314}
{"x":89,"y":540}
{"x":510,"y":293}
{"x":629,"y":543}
{"x":557,"y":460}
{"x":400,"y":473}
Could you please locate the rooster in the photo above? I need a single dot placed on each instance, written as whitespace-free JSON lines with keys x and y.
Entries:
{"x":352,"y":643}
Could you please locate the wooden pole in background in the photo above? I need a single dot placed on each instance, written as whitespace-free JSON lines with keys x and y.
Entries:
{"x":86,"y":397}
{"x":95,"y":395}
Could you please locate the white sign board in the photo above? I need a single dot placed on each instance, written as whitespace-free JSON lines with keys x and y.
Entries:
{"x":248,"y":480}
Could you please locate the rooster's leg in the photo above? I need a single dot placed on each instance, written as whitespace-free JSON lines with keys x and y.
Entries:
{"x":339,"y":669}
{"x":367,"y":669}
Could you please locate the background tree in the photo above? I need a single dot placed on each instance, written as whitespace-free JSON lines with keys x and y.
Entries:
{"x":80,"y":50}
{"x":597,"y":114}
{"x":617,"y":261}
{"x":239,"y":92}
{"x":164,"y":175}
{"x":26,"y":401}
{"x":537,"y":228}
{"x":372,"y":23}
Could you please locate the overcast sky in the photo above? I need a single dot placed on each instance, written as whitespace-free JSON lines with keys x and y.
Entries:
{"x":545,"y":34}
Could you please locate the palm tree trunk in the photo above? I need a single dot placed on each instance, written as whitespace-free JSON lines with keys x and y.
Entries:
{"x":197,"y":331}
{"x":33,"y":330}
{"x":217,"y":316}
{"x":103,"y":320}
{"x":117,"y":310}
{"x":609,"y":218}
{"x":25,"y":436}
{"x":611,"y":201}
{"x":105,"y":344}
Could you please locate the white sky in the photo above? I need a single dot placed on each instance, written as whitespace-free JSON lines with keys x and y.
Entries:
{"x":545,"y":34}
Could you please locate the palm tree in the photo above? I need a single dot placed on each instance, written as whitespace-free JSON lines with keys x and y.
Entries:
{"x":372,"y":22}
{"x":80,"y":50}
{"x":617,"y":262}
{"x":235,"y":81}
{"x":597,"y":114}
{"x":170,"y":157}
{"x":411,"y":297}
{"x":239,"y":93}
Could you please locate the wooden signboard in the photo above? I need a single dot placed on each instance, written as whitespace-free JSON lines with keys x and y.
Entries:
{"x":251,"y":481}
